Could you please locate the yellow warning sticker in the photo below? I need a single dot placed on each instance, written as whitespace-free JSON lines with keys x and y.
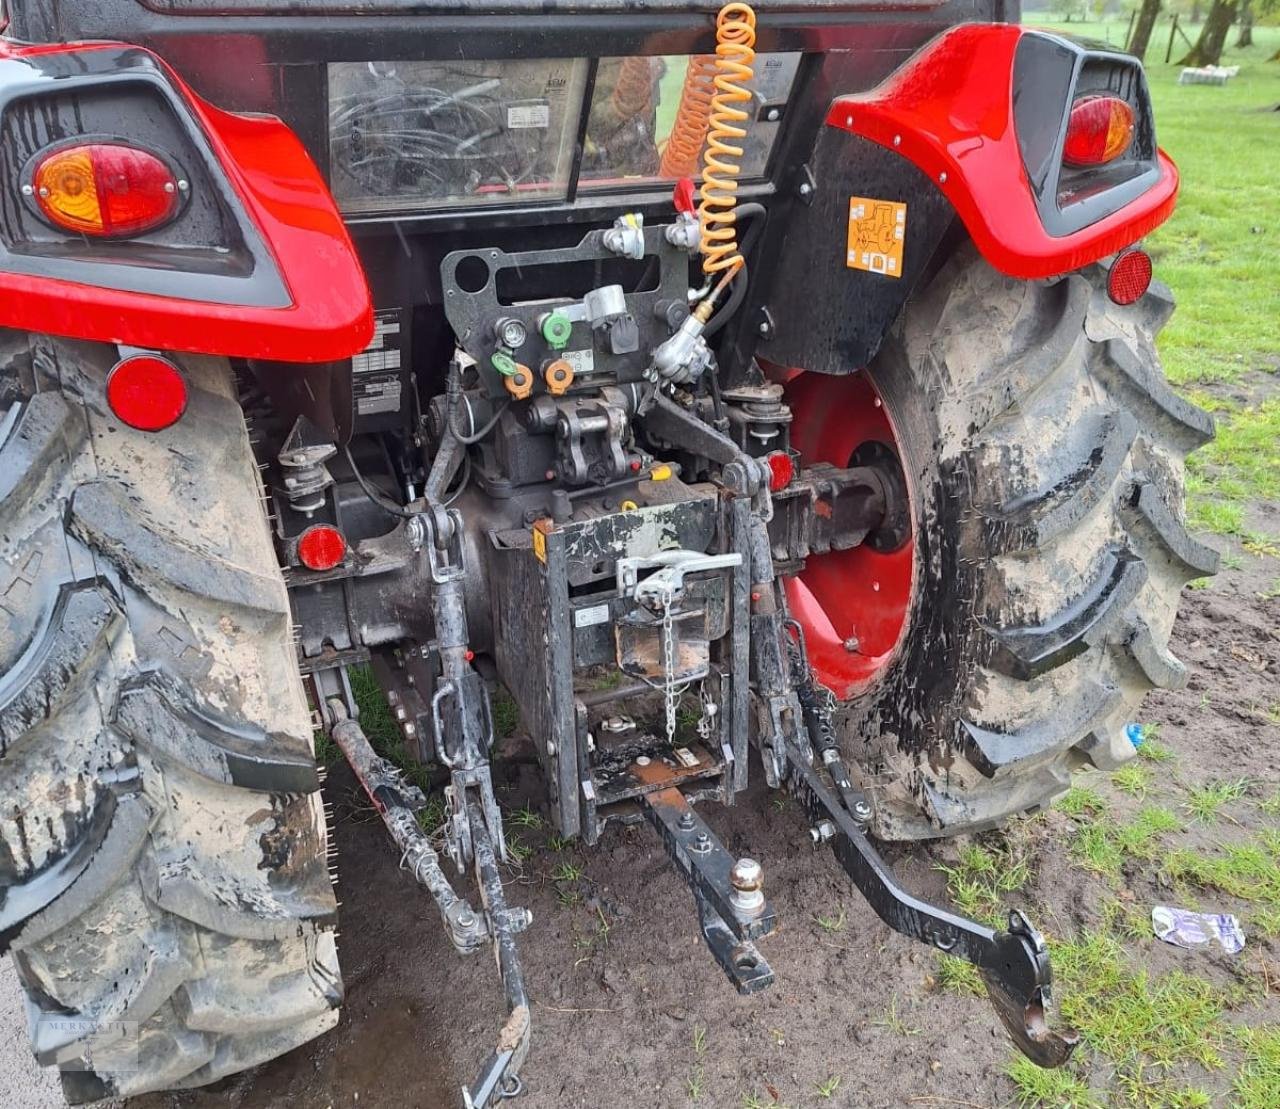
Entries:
{"x":539,"y":532}
{"x":877,"y":231}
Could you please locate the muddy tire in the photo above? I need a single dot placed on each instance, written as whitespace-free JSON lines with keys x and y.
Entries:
{"x":1045,"y":451}
{"x":164,"y":889}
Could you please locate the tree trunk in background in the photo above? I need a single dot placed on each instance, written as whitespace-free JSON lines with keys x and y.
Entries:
{"x":1196,"y":13}
{"x":1143,"y":27}
{"x":1213,"y":35}
{"x":1246,"y":25}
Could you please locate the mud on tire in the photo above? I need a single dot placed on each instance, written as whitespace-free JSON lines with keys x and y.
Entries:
{"x":1045,"y":450}
{"x":164,"y":890}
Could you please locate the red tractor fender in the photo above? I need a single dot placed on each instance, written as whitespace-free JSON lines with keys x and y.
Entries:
{"x":950,"y":111}
{"x":322,"y":310}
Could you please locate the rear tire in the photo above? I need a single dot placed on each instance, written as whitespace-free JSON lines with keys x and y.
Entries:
{"x":164,"y":890}
{"x":1045,"y":452}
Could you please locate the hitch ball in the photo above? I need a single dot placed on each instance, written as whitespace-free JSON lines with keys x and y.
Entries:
{"x":747,"y":879}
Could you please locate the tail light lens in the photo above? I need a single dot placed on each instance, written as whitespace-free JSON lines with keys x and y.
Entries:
{"x":781,"y":470}
{"x":1129,"y":276}
{"x":108,"y":190}
{"x":321,"y":547}
{"x":146,"y":392}
{"x":1099,"y":130}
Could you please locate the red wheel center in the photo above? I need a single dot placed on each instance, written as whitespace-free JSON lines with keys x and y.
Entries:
{"x":853,"y":605}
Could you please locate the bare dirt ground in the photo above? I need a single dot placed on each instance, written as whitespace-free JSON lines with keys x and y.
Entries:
{"x":629,"y":1008}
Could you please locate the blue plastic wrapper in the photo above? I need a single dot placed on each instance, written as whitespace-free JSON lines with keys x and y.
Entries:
{"x":1184,"y":928}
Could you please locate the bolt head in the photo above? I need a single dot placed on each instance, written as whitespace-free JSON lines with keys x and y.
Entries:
{"x":764,"y":327}
{"x":851,"y":644}
{"x":806,"y":189}
{"x":686,"y":820}
{"x":862,"y":810}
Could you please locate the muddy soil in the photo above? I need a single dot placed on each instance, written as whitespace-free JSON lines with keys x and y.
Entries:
{"x":621,"y":982}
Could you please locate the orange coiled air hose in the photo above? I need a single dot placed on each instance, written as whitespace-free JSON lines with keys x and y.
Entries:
{"x":693,"y":117}
{"x":721,"y":161}
{"x":633,"y":94}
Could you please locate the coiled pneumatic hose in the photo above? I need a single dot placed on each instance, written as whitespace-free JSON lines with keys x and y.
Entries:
{"x":693,"y":117}
{"x":722,"y":158}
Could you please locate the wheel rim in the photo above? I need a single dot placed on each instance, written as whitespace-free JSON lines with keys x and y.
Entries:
{"x":854,"y":605}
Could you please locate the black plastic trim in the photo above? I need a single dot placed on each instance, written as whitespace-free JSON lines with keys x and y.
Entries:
{"x":1044,"y":64}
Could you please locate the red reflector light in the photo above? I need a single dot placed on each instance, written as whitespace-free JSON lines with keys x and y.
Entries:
{"x":1099,"y":130}
{"x":107,"y":190}
{"x":321,"y":547}
{"x":147,"y":392}
{"x":781,"y":470}
{"x":1129,"y":276}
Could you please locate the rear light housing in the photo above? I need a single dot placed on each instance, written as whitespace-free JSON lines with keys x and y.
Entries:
{"x":1129,"y":276}
{"x":146,"y":392}
{"x":321,"y":547}
{"x":106,"y":190}
{"x":1099,"y":130}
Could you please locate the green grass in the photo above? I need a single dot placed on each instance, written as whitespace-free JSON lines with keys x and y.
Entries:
{"x":827,"y":1090}
{"x":1132,"y":1017}
{"x":327,"y":752}
{"x":833,"y":923}
{"x":1240,"y":466}
{"x":894,"y":1022}
{"x":1057,"y":1088}
{"x":1248,"y":870}
{"x":1082,"y":801}
{"x":1151,"y":749}
{"x":1104,"y":844}
{"x":984,"y":875}
{"x":525,"y":817}
{"x":506,"y":717}
{"x":1257,"y":1086}
{"x":959,"y":976}
{"x":567,"y":872}
{"x":1204,"y":802}
{"x":1134,"y":779}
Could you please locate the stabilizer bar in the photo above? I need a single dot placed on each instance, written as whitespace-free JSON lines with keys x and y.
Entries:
{"x":467,"y":929}
{"x":1014,"y":964}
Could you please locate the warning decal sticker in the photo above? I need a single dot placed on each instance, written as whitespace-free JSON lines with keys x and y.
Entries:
{"x":877,"y":231}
